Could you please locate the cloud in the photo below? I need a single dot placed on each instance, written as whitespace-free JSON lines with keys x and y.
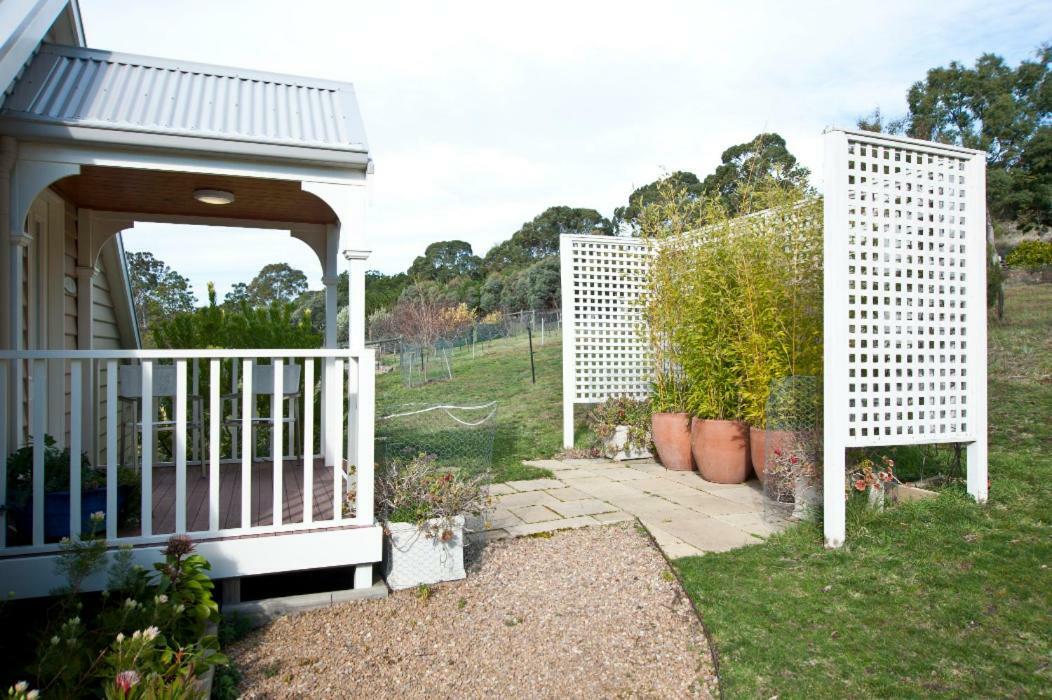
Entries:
{"x":480,"y":115}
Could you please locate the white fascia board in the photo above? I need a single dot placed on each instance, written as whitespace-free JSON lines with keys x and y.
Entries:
{"x":188,"y":161}
{"x":23,"y":126}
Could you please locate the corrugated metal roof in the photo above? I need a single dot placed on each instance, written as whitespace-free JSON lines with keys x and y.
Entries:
{"x":110,"y":92}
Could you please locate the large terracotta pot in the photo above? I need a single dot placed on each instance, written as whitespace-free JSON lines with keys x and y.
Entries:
{"x":671,"y":435}
{"x":721,"y":450}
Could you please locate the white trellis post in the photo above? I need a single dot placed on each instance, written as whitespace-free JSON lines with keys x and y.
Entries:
{"x":904,"y":303}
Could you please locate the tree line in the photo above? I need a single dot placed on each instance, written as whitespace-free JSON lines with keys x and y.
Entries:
{"x":991,"y":106}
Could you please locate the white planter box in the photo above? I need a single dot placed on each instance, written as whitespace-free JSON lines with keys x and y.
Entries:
{"x":412,"y":557}
{"x":615,"y":446}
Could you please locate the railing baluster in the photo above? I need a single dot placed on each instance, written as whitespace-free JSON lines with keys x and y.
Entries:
{"x":336,"y":426}
{"x":111,"y":450}
{"x":146,"y":472}
{"x":38,"y":430}
{"x":234,"y":407}
{"x":180,"y":446}
{"x":76,"y":406}
{"x":351,"y":426}
{"x":365,"y":459}
{"x":195,"y":413}
{"x":214,"y":439}
{"x":247,"y":404}
{"x":323,"y":437}
{"x":4,"y":424}
{"x":308,"y":440}
{"x":277,"y":448}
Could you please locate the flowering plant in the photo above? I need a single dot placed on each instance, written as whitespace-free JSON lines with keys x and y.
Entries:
{"x":420,"y":492}
{"x":869,"y":475}
{"x":144,"y":638}
{"x":21,"y":691}
{"x":791,"y":462}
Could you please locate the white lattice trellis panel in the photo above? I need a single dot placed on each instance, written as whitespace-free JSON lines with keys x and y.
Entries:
{"x":603,"y":352}
{"x":909,"y":292}
{"x":905,"y":313}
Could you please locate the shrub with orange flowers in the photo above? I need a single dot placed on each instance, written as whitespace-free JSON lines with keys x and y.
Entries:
{"x":874,"y":478}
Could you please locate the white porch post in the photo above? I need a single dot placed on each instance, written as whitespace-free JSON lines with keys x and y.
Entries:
{"x":27,"y":179}
{"x":18,"y":244}
{"x":85,"y":335}
{"x":355,"y":391}
{"x":94,"y":230}
{"x":356,"y":297}
{"x":347,"y":200}
{"x":331,"y":404}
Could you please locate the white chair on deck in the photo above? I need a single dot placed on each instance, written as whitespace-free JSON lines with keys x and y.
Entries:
{"x":263,"y":385}
{"x":129,"y":391}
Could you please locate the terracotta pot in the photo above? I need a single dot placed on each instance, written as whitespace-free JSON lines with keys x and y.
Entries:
{"x":721,"y":450}
{"x":671,"y":435}
{"x":757,"y":449}
{"x":763,"y":441}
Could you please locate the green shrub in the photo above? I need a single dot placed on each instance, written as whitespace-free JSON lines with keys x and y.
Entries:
{"x":622,"y":410}
{"x":56,"y":470}
{"x":1030,"y":255}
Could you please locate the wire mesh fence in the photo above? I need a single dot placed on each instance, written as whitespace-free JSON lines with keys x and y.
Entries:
{"x":459,"y":437}
{"x":793,"y":450}
{"x":434,"y":362}
{"x":421,"y":365}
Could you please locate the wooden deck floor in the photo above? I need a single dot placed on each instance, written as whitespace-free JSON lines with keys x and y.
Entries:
{"x":230,"y":495}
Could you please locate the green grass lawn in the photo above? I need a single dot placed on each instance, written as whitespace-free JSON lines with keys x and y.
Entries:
{"x":942,"y":598}
{"x":529,"y":416}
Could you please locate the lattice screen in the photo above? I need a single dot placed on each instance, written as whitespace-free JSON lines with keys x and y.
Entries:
{"x":910,"y":292}
{"x":905,"y":303}
{"x":603,"y":352}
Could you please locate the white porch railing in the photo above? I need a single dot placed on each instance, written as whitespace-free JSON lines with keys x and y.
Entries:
{"x":219,"y":443}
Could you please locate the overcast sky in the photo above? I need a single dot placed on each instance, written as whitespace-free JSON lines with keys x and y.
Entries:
{"x":481,"y":115}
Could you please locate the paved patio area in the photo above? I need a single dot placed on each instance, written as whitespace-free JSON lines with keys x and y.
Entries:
{"x":687,"y":515}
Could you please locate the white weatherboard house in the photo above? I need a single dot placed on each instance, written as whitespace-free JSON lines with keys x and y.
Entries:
{"x":263,"y":457}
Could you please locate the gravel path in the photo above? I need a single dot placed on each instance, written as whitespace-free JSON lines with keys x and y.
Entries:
{"x":593,"y":612}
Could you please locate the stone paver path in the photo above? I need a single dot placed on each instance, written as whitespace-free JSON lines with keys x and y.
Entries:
{"x":687,"y":515}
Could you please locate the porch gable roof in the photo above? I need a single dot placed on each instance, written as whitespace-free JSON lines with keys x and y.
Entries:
{"x":74,"y":93}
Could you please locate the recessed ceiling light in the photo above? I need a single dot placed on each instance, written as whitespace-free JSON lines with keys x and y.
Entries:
{"x":214,"y":196}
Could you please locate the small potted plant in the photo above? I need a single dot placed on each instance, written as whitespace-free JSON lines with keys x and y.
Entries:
{"x":622,"y":425}
{"x":56,"y":490}
{"x":422,"y":507}
{"x":875,"y":480}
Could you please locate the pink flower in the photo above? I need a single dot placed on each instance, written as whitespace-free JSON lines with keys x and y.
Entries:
{"x":126,"y":680}
{"x":860,"y":484}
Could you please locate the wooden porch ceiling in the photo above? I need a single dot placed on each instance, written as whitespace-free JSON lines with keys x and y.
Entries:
{"x":171,"y":194}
